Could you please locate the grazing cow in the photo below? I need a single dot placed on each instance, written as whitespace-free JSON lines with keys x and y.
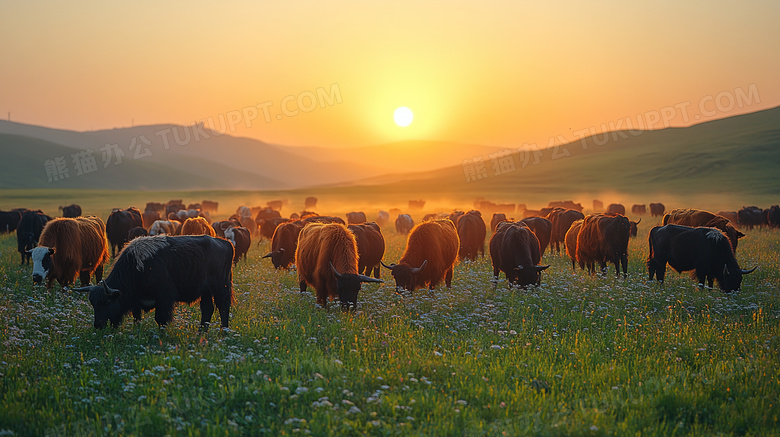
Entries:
{"x":118,"y":226}
{"x":356,"y":217}
{"x":542,"y":228}
{"x":209,"y":206}
{"x":71,"y":211}
{"x":773,"y":216}
{"x":28,"y":232}
{"x":174,"y":206}
{"x":370,"y":246}
{"x":276,"y":205}
{"x":268,"y":226}
{"x":157,"y":207}
{"x":455,"y":215}
{"x":514,"y":250}
{"x":148,"y":217}
{"x":156,"y":272}
{"x":429,"y":258}
{"x":196,"y":206}
{"x":471,"y":233}
{"x":602,"y":239}
{"x":327,"y":259}
{"x":498,"y":217}
{"x":169,"y":227}
{"x":70,"y":247}
{"x":598,"y":206}
{"x":638,"y":209}
{"x":264,"y":215}
{"x":241,"y":239}
{"x":565,"y":204}
{"x":616,"y":208}
{"x":633,"y":227}
{"x":706,"y":251}
{"x":731,"y":216}
{"x":404,"y":223}
{"x":324,"y":219}
{"x":657,"y":209}
{"x":136,"y":232}
{"x":9,"y":220}
{"x":698,"y":217}
{"x":571,"y":242}
{"x":528,"y":213}
{"x":244,"y":211}
{"x":561,"y":220}
{"x":310,"y":202}
{"x":382,"y":218}
{"x":284,"y":243}
{"x":750,"y":216}
{"x":197,"y":226}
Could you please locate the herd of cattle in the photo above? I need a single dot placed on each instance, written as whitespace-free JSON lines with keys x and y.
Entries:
{"x":175,"y":253}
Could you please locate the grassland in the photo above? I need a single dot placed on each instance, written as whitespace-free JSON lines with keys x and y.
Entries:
{"x":579,"y":355}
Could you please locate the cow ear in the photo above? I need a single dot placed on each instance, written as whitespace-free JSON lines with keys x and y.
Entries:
{"x":268,"y":255}
{"x":747,"y":272}
{"x":541,"y":268}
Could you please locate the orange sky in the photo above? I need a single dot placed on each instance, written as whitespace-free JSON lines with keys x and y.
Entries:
{"x":491,"y":72}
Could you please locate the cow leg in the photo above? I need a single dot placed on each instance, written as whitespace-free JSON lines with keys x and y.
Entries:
{"x":84,"y":278}
{"x":98,"y":274}
{"x":302,"y":286}
{"x":701,"y":277}
{"x":448,"y":278}
{"x":376,"y":271}
{"x":206,"y":311}
{"x":137,"y":314}
{"x":163,"y":311}
{"x":624,"y":265}
{"x":710,"y":281}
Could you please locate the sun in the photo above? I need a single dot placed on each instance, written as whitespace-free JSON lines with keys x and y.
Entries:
{"x":403,"y":116}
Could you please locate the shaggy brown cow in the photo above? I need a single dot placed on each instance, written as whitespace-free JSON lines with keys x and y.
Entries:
{"x":118,"y":225}
{"x":241,"y":239}
{"x":70,"y":247}
{"x":71,"y":211}
{"x":326,"y":258}
{"x":371,"y":247}
{"x":571,"y":242}
{"x":542,"y":228}
{"x":149,"y":217}
{"x":498,"y":217}
{"x":561,"y":221}
{"x":514,"y":250}
{"x":638,"y":209}
{"x":598,"y":206}
{"x":700,"y":218}
{"x":284,"y":243}
{"x":197,"y":226}
{"x":310,"y":202}
{"x":455,"y":215}
{"x":471,"y":232}
{"x":354,"y":218}
{"x":657,"y":209}
{"x":616,"y":208}
{"x":429,"y":258}
{"x":382,"y":218}
{"x":730,"y":216}
{"x":602,"y":239}
{"x":404,"y":223}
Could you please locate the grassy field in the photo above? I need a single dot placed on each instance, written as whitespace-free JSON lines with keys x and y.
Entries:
{"x":579,"y":355}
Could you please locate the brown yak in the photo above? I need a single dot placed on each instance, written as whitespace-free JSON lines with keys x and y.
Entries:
{"x":571,"y":242}
{"x":602,"y":239}
{"x":197,"y":226}
{"x":429,"y":258}
{"x":326,"y":258}
{"x":284,"y":243}
{"x":70,"y":247}
{"x":700,"y":218}
{"x":371,"y":247}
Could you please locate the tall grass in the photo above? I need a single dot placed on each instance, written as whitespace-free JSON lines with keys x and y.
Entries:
{"x":579,"y":355}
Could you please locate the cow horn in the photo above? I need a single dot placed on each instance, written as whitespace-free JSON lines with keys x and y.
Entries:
{"x":541,"y":268}
{"x":335,"y":272}
{"x":747,"y":272}
{"x":638,"y":221}
{"x":389,"y":267}
{"x":364,"y":278}
{"x":419,"y":269}
{"x":109,"y":291}
{"x":520,"y":267}
{"x":83,"y":289}
{"x":270,"y":254}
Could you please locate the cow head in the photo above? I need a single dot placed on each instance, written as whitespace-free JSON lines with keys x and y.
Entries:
{"x":106,"y":303}
{"x":732,"y":278}
{"x":405,"y":275}
{"x":633,"y":230}
{"x":348,"y":286}
{"x":276,"y":257}
{"x":42,"y":262}
{"x":527,"y":275}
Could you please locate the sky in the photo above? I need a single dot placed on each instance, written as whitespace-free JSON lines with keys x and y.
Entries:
{"x":331,"y":73}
